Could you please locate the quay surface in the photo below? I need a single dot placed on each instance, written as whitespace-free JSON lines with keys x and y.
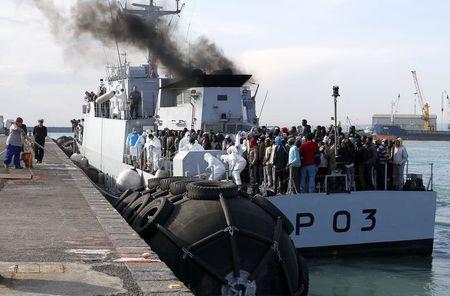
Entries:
{"x":60,"y":236}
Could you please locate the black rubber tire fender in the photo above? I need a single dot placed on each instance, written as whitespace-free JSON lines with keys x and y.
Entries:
{"x":273,"y":211}
{"x":303,"y":274}
{"x":211,"y":190}
{"x":179,"y":187}
{"x":176,"y":198}
{"x":156,"y":212}
{"x":153,"y":183}
{"x":159,"y":194}
{"x":147,"y":191}
{"x":128,"y":201}
{"x":165,"y":184}
{"x":135,"y":206}
{"x":124,"y":195}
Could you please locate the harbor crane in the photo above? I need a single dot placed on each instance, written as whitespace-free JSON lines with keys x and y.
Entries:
{"x":424,"y":105}
{"x":394,"y":109}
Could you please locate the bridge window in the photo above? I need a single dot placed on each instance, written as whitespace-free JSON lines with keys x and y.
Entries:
{"x":222,"y":98}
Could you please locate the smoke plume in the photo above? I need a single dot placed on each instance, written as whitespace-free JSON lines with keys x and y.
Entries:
{"x":107,"y":24}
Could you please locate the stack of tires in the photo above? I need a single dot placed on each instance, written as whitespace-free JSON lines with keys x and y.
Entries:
{"x":215,"y":240}
{"x":66,"y":144}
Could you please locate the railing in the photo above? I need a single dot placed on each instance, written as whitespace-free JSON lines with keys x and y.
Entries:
{"x":419,"y":170}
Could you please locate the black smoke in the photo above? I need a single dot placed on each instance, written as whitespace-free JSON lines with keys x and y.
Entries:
{"x":106,"y":23}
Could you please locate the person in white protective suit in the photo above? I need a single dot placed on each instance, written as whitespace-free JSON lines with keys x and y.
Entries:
{"x":216,"y":167}
{"x":194,"y":145}
{"x":184,"y":143}
{"x":241,"y":143}
{"x":154,"y":147}
{"x":236,"y":164}
{"x":149,"y":151}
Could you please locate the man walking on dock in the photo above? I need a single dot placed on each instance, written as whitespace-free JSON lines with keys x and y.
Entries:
{"x":14,"y":144}
{"x":39,"y":133}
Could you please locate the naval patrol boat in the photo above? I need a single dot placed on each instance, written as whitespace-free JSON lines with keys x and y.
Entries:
{"x":342,"y":222}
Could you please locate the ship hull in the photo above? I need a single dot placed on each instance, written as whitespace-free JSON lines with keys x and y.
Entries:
{"x":393,"y":132}
{"x":364,"y":222}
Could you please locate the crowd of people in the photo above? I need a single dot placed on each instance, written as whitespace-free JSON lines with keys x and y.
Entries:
{"x":294,"y":160}
{"x":112,"y":108}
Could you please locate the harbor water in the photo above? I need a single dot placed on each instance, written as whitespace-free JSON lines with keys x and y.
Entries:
{"x":396,"y":275}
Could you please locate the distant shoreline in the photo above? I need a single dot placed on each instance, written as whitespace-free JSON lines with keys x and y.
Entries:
{"x":59,"y":129}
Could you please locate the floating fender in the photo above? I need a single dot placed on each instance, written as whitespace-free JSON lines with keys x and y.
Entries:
{"x":101,"y":178}
{"x":92,"y":173}
{"x":211,"y":190}
{"x":84,"y":163}
{"x":67,"y":144}
{"x":155,"y":213}
{"x":135,"y":207}
{"x":274,"y":212}
{"x":76,"y":158}
{"x":222,"y":245}
{"x":129,"y":179}
{"x":127,"y":201}
{"x":63,"y":139}
{"x":162,"y":174}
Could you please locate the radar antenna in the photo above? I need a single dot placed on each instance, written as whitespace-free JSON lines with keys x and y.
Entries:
{"x":150,"y":13}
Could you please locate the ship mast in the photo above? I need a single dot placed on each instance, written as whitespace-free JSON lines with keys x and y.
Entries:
{"x":150,"y":14}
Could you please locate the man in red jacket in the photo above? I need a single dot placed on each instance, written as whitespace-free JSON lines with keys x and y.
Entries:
{"x":308,"y":170}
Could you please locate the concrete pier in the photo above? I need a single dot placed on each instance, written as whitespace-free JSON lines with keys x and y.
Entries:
{"x":59,"y":236}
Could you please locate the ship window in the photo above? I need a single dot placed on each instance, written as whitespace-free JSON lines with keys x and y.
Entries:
{"x":168,"y":98}
{"x":222,"y":98}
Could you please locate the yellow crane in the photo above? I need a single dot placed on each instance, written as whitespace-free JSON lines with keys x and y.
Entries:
{"x":424,"y":105}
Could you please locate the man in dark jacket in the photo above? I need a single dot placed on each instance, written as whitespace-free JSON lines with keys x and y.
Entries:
{"x":370,"y":162}
{"x":135,"y":100}
{"x":39,"y":133}
{"x":280,"y":160}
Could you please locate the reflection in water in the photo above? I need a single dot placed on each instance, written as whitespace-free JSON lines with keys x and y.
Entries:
{"x":371,"y":276}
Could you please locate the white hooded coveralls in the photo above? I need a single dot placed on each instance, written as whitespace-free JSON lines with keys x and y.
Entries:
{"x":216,"y":166}
{"x":236,"y":164}
{"x":184,"y":143}
{"x":154,"y":151}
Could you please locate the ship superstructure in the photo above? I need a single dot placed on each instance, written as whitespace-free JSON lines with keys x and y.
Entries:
{"x":221,"y":101}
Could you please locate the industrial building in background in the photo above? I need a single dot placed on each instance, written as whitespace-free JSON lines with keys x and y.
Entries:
{"x":418,"y":127}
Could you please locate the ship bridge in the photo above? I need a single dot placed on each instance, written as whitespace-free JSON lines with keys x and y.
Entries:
{"x":209,"y":102}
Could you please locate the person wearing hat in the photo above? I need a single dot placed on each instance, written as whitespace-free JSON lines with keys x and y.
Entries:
{"x":39,"y":133}
{"x":14,"y":144}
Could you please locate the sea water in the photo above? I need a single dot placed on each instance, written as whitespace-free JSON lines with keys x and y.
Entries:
{"x":410,"y":276}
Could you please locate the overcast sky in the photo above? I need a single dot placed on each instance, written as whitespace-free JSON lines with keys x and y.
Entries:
{"x":297,"y":50}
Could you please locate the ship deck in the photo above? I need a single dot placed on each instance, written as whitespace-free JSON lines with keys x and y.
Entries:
{"x":59,"y":236}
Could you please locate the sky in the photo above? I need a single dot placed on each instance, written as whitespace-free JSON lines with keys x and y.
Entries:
{"x":296,"y":50}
